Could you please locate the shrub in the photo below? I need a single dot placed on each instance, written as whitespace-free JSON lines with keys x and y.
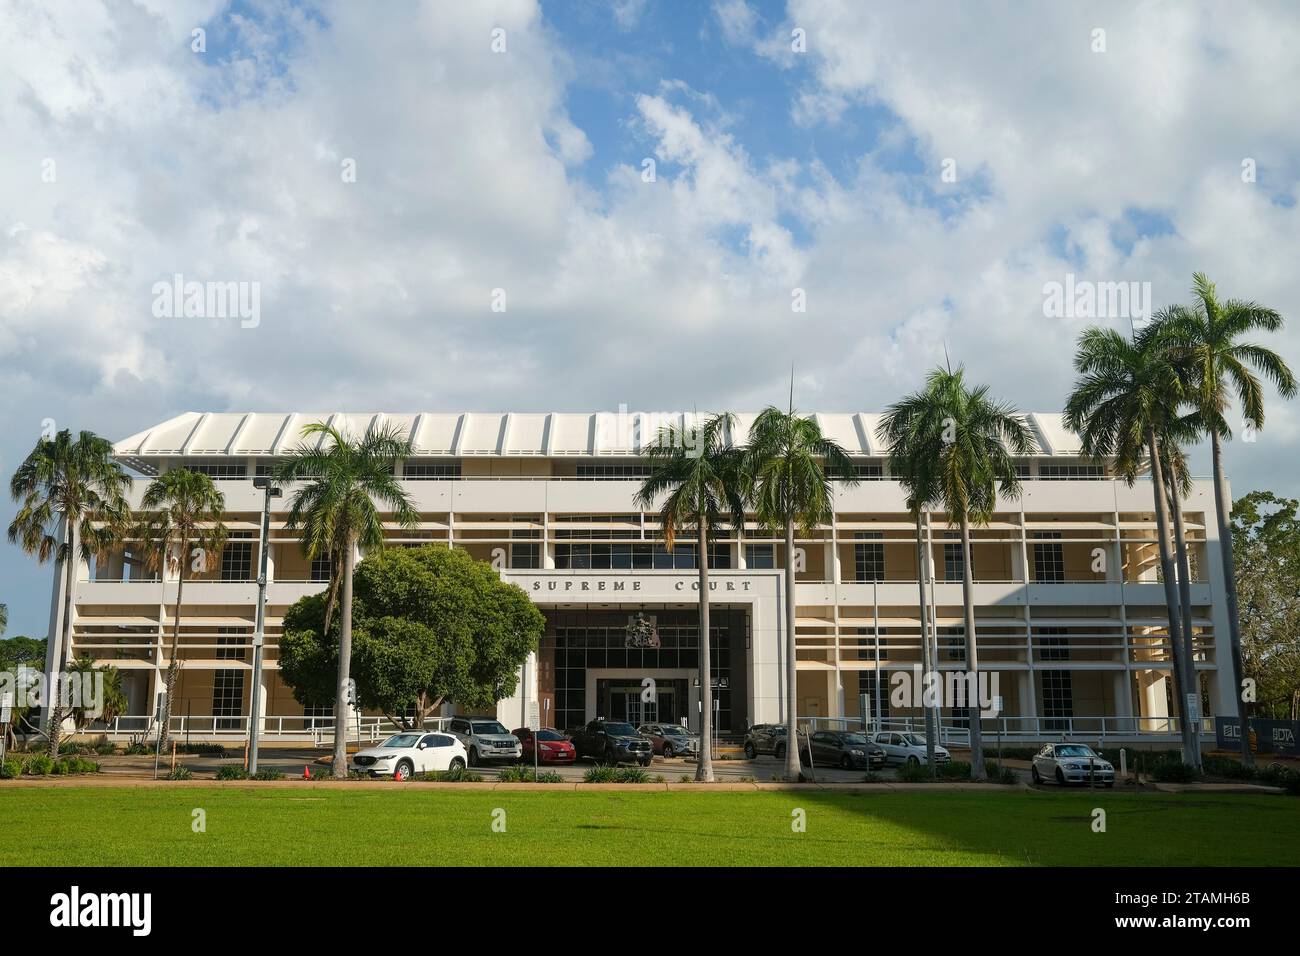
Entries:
{"x":232,"y":771}
{"x":38,"y":765}
{"x":914,"y":773}
{"x":137,"y":749}
{"x":517,"y":774}
{"x":11,"y":769}
{"x":600,"y":774}
{"x":1166,"y":770}
{"x":684,"y":778}
{"x":202,"y":750}
{"x":1275,"y":775}
{"x":1229,"y":768}
{"x":549,"y":776}
{"x":180,"y":772}
{"x":105,"y":749}
{"x":455,"y":775}
{"x":268,"y":773}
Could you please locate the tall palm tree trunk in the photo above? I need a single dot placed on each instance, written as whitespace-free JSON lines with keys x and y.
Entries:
{"x":340,"y":768}
{"x":972,"y":655}
{"x":173,"y":663}
{"x":791,"y":672}
{"x":927,"y":662}
{"x":1190,"y":682}
{"x":704,"y":769}
{"x":54,"y":684}
{"x":1230,"y":592}
{"x":1171,"y":592}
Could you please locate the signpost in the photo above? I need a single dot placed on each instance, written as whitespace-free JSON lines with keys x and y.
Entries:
{"x":259,"y":630}
{"x":6,"y":716}
{"x":534,"y":725}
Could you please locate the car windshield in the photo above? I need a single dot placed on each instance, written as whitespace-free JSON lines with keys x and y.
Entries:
{"x":549,"y":735}
{"x":853,"y":739}
{"x":1075,"y":750}
{"x":401,"y":740}
{"x":673,"y":730}
{"x":620,"y":730}
{"x":488,"y":727}
{"x":916,"y":740}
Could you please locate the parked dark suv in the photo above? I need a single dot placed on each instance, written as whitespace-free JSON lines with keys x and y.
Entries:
{"x":845,"y":749}
{"x":612,"y":742}
{"x":765,"y":739}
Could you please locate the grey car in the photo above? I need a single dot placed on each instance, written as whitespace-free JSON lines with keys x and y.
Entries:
{"x":670,"y":740}
{"x":485,"y":738}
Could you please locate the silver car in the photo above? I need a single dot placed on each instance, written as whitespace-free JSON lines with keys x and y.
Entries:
{"x":903,"y":748}
{"x":486,"y":739}
{"x":1072,"y":763}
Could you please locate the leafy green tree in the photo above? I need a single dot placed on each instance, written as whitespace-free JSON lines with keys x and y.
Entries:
{"x":696,"y":482}
{"x":180,"y":524}
{"x":1127,"y":404}
{"x":113,"y":702}
{"x":1266,"y":540}
{"x":71,"y":496}
{"x":956,"y":446}
{"x":1207,"y":337}
{"x":334,"y":506}
{"x":789,"y":469}
{"x":430,"y":624}
{"x":19,"y":651}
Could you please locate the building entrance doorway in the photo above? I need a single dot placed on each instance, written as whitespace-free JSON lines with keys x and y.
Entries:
{"x":625,"y":701}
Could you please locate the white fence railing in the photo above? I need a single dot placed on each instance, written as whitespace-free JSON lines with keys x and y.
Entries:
{"x":1021,"y":729}
{"x":319,"y":730}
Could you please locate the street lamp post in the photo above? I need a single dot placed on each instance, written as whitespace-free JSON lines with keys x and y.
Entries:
{"x":259,"y":633}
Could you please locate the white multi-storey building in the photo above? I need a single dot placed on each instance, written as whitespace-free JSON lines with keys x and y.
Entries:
{"x":1070,"y":613}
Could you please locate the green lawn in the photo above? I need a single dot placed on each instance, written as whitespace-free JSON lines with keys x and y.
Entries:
{"x":419,"y":824}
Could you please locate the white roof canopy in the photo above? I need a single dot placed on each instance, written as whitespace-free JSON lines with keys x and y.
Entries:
{"x":496,"y":434}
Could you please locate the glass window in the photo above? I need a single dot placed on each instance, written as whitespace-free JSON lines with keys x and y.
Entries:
{"x":237,"y":557}
{"x":869,"y":556}
{"x":1049,"y":559}
{"x":761,"y":557}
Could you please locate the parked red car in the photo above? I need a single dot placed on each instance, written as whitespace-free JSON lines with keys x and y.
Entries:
{"x":553,"y":746}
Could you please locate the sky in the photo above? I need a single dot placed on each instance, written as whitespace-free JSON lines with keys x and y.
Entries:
{"x":571,"y":205}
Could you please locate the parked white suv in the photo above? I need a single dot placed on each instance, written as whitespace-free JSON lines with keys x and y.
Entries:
{"x":408,"y":753}
{"x":486,"y":739}
{"x":903,"y":748}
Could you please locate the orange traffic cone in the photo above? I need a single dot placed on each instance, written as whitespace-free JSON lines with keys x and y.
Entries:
{"x":306,"y":772}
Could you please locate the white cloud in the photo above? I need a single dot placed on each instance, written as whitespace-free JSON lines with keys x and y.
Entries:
{"x":674,"y":293}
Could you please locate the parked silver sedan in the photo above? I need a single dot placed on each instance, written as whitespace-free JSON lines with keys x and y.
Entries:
{"x":1072,"y":763}
{"x":907,"y":748}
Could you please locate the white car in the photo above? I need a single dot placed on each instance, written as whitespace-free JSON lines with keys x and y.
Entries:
{"x":908,"y":748}
{"x":405,"y":754}
{"x":1071,"y":763}
{"x":486,"y":739}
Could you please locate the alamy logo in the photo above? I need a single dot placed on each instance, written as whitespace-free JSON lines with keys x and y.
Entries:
{"x":208,"y":300}
{"x":952,"y":689}
{"x":73,"y":909}
{"x":1084,"y":299}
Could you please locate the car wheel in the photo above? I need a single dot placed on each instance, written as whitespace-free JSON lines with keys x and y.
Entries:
{"x":779,"y":751}
{"x":1060,"y":776}
{"x":1111,"y":784}
{"x":456,"y":764}
{"x":750,"y":752}
{"x":1036,"y":776}
{"x":668,"y":751}
{"x":403,"y":771}
{"x":846,"y":762}
{"x":644,"y":761}
{"x":473,"y":756}
{"x":913,"y":761}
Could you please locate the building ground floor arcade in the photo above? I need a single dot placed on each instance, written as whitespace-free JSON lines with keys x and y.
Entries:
{"x":1086,"y":671}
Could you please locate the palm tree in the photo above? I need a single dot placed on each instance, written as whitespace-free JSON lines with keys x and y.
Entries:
{"x":789,"y":469}
{"x":342,"y":479}
{"x":918,"y":501}
{"x":695,"y":480}
{"x":1208,"y":335}
{"x":71,"y":497}
{"x":180,"y":521}
{"x":957,"y":447}
{"x":1126,"y":406}
{"x":1179,"y":486}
